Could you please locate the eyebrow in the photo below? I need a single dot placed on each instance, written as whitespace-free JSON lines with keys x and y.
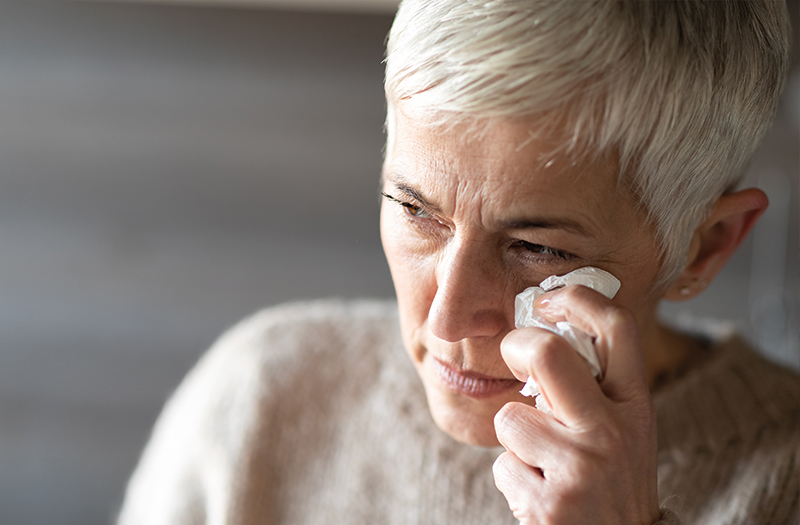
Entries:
{"x":532,"y":223}
{"x":416,"y":195}
{"x":399,"y":182}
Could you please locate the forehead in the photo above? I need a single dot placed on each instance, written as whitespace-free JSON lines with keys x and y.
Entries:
{"x":513,"y":163}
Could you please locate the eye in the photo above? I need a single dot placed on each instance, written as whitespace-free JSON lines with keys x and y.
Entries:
{"x":411,"y":209}
{"x":416,"y":211}
{"x":545,"y":251}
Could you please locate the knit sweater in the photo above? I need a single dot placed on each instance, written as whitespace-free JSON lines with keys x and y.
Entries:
{"x":313,"y":414}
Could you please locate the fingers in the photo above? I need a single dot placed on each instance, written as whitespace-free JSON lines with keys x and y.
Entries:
{"x":563,"y":376}
{"x":521,"y":484}
{"x":533,"y":436}
{"x":561,"y":468}
{"x":617,"y":340}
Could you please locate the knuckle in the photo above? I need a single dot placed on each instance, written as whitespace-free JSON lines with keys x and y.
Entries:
{"x":510,"y":419}
{"x":501,"y":419}
{"x":546,"y":351}
{"x":608,"y":438}
{"x":505,"y":478}
{"x":520,"y":500}
{"x":501,"y":469}
{"x":522,"y":512}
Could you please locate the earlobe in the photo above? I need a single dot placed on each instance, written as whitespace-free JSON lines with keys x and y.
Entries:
{"x":716,"y":239}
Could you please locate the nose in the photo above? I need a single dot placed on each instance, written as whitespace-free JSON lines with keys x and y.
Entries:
{"x":470,"y":294}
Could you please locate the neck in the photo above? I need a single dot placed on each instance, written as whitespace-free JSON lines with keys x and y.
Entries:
{"x":666,"y":351}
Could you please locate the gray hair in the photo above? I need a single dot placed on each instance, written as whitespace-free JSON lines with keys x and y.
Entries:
{"x":681,"y":92}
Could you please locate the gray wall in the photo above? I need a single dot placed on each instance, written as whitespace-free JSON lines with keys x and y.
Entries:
{"x":166,"y":171}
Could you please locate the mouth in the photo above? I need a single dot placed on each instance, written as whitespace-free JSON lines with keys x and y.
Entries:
{"x":472,"y":384}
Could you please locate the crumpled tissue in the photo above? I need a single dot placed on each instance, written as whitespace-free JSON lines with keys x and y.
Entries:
{"x":525,"y":315}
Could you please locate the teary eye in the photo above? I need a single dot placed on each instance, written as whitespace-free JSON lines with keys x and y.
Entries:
{"x":544,"y":250}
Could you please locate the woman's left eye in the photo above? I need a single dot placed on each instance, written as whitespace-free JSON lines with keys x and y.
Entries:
{"x":544,"y":250}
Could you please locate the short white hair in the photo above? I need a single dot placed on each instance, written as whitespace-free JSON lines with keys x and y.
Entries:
{"x":681,"y":92}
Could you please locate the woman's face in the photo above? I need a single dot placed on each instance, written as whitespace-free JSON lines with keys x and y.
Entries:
{"x":470,"y":220}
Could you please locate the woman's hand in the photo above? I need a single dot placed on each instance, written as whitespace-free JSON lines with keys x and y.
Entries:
{"x":594,"y":459}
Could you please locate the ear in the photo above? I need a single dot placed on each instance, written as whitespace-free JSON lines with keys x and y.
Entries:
{"x":715,"y":240}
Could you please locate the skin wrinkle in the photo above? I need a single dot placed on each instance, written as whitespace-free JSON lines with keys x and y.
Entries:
{"x":587,"y":225}
{"x":462,"y":272}
{"x":478,"y":130}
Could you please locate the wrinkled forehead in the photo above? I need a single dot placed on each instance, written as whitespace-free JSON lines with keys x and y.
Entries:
{"x":541,"y":139}
{"x":504,"y":155}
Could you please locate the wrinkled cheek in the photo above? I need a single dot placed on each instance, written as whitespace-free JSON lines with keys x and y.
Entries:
{"x":414,"y":281}
{"x":414,"y":276}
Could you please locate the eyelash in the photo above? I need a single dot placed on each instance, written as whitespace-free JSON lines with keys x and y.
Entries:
{"x":411,"y":209}
{"x":537,"y":249}
{"x":545,"y":250}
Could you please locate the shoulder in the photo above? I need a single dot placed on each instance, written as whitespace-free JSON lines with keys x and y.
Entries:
{"x":732,"y":394}
{"x":298,"y":345}
{"x":731,"y":426}
{"x":266,"y":368}
{"x":282,"y":351}
{"x":321,"y":315}
{"x":775,"y":387}
{"x":734,"y":369}
{"x":306,"y":329}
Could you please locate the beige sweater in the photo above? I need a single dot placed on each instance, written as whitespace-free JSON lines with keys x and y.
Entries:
{"x":312,"y":414}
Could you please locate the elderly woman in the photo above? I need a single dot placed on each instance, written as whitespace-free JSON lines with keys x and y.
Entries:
{"x":524,"y":139}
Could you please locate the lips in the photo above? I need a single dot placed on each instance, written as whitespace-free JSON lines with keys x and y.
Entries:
{"x":472,"y":384}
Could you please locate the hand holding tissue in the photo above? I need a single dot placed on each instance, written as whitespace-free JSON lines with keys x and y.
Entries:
{"x":582,"y":435}
{"x":525,"y":315}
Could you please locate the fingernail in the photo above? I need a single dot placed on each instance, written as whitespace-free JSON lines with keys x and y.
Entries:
{"x":542,"y":302}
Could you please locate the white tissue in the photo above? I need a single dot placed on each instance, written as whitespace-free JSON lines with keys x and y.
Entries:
{"x":525,"y":315}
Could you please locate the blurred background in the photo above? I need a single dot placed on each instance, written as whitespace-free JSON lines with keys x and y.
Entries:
{"x":167,"y":169}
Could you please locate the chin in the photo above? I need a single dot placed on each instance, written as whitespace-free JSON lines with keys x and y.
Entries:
{"x":466,"y":420}
{"x":465,"y":432}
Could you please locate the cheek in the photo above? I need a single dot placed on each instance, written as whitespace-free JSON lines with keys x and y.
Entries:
{"x":636,"y":294}
{"x":639,"y":303}
{"x":413,"y":272}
